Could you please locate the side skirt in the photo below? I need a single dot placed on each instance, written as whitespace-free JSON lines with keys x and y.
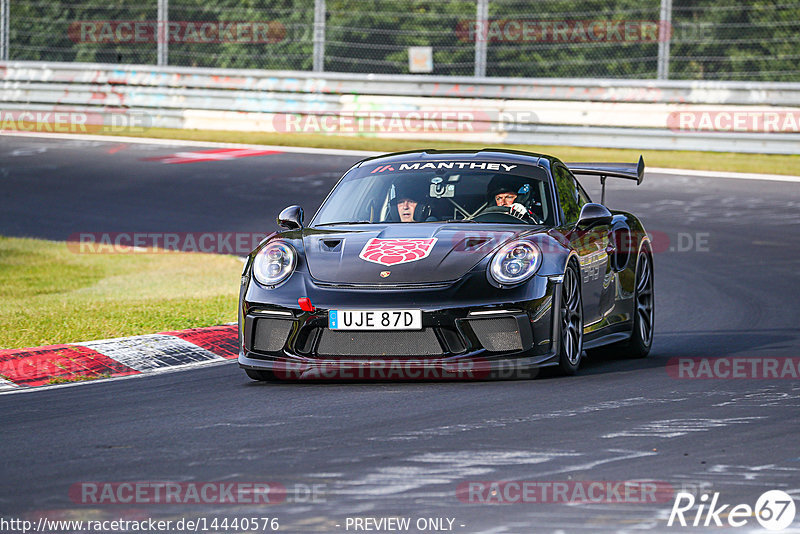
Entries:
{"x":608,"y":335}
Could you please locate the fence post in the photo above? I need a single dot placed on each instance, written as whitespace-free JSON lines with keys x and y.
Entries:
{"x":481,"y":33}
{"x":4,"y":16}
{"x":162,"y":37}
{"x":319,"y":35}
{"x":664,"y":37}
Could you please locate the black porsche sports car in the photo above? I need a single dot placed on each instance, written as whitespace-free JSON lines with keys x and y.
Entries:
{"x":449,"y":264}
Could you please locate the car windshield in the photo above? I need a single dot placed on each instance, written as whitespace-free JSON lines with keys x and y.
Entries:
{"x":439,"y":191}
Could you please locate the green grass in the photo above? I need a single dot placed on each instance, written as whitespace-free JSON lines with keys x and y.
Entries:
{"x":711,"y":161}
{"x":51,"y":295}
{"x":76,"y":378}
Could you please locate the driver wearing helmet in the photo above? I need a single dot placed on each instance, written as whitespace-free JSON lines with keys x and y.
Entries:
{"x":504,"y":191}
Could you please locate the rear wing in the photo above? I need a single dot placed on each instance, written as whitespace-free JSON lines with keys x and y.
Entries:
{"x":628,"y":171}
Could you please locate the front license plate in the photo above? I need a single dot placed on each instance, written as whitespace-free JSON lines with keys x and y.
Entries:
{"x":375,"y":319}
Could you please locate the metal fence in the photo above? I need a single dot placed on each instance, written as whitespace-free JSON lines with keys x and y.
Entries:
{"x":632,"y":39}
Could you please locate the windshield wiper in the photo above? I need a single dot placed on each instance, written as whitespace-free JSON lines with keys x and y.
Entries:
{"x":342,"y":223}
{"x":460,"y":221}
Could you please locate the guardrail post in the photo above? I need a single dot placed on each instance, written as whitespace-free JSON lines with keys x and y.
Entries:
{"x":163,"y":34}
{"x":664,"y":37}
{"x":4,"y":16}
{"x":481,"y":34}
{"x":319,"y":35}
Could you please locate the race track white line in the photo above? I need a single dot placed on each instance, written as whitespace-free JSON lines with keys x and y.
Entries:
{"x":359,"y":153}
{"x":183,"y":142}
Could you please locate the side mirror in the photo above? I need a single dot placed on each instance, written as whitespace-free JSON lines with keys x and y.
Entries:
{"x":593,"y":214}
{"x":291,"y":218}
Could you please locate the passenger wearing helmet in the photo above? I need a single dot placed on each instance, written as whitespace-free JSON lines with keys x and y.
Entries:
{"x":409,"y":203}
{"x":405,"y":208}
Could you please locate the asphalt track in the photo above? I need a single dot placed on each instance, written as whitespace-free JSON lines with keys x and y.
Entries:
{"x":726,"y":284}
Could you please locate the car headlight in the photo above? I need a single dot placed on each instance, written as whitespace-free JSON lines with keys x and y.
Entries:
{"x":515,"y":262}
{"x":274,"y":263}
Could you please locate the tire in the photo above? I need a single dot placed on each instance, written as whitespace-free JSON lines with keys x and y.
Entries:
{"x":638,"y":346}
{"x":571,"y":327}
{"x":641,"y":340}
{"x":261,"y":376}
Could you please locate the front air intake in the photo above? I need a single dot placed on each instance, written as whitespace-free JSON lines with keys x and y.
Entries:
{"x":498,"y":334}
{"x":397,"y":344}
{"x":270,"y":334}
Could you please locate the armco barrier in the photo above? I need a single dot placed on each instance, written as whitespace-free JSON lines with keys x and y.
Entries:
{"x":608,"y":90}
{"x":606,"y":113}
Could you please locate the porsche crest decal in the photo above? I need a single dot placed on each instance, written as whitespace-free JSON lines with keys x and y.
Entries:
{"x":396,"y":251}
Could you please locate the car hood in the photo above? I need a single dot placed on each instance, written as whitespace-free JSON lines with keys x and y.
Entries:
{"x":401,"y":253}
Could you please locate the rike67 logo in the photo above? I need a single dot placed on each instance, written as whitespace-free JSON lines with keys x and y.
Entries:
{"x":774,"y":510}
{"x":396,"y":251}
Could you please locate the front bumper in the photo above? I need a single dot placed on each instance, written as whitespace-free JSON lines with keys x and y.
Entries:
{"x":465,"y":335}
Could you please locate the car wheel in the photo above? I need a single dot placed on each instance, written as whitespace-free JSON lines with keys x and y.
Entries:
{"x":638,"y":346}
{"x":262,"y":376}
{"x":571,"y":316}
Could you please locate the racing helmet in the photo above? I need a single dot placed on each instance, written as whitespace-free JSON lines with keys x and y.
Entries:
{"x":414,"y":190}
{"x":503,"y":183}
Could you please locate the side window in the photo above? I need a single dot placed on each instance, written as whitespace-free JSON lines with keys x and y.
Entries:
{"x":568,"y":197}
{"x":583,"y":198}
